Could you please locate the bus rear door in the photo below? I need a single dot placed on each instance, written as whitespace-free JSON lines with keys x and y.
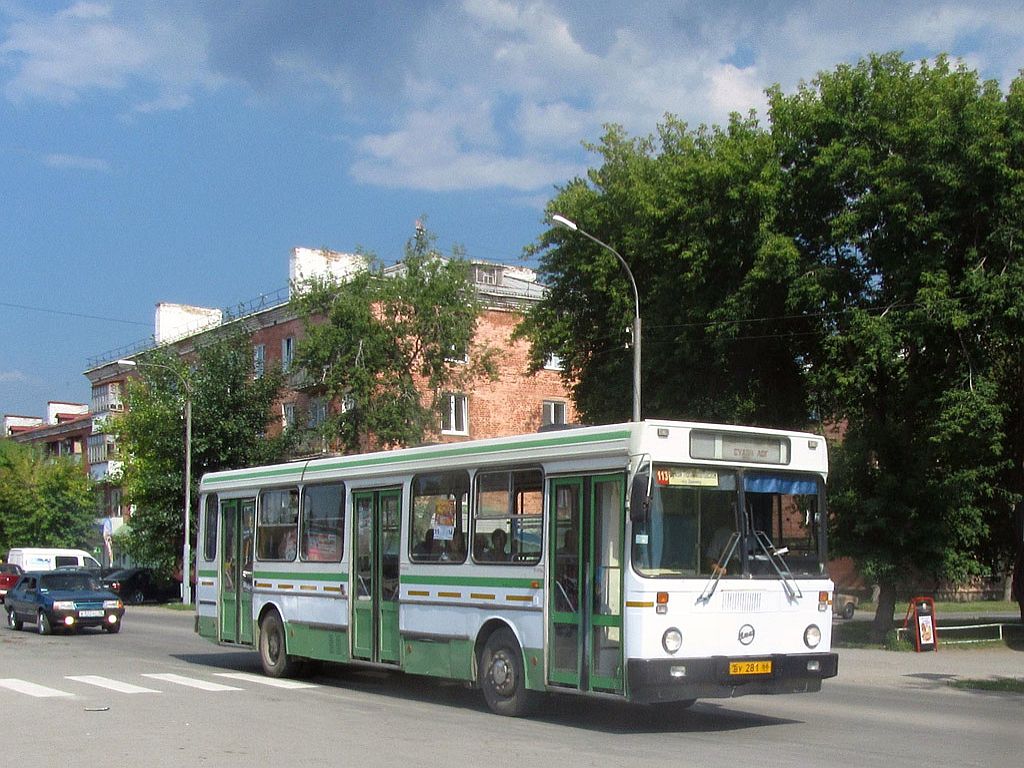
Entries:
{"x":377,"y":522}
{"x":585,"y":583}
{"x":238,"y":517}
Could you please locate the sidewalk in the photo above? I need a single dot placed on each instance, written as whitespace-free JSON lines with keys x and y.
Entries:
{"x":861,"y":666}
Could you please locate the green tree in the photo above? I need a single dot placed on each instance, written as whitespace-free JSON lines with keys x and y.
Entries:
{"x":893,"y":176}
{"x":44,"y":501}
{"x":231,"y":411}
{"x":375,"y":343}
{"x":692,"y":212}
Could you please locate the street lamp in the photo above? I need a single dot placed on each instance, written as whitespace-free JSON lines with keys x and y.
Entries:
{"x":563,"y":222}
{"x":186,"y":549}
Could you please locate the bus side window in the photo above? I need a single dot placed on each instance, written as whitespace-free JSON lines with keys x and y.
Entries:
{"x":440,"y":506}
{"x":323,"y":522}
{"x":508,"y":514}
{"x":276,"y":535}
{"x":210,"y":531}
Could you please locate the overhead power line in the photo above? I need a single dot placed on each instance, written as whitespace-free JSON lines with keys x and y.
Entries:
{"x":65,"y":313}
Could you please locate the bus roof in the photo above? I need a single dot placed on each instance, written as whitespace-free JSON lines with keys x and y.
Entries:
{"x":581,"y":443}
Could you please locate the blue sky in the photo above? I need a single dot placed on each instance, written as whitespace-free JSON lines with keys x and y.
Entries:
{"x":176,"y":150}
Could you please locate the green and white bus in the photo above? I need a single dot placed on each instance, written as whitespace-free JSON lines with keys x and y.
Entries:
{"x":656,"y":561}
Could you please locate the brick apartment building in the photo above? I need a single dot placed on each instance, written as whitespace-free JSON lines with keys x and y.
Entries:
{"x":64,"y":431}
{"x":515,"y":402}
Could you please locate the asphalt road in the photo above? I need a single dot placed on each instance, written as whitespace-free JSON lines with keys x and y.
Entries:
{"x":129,"y":699}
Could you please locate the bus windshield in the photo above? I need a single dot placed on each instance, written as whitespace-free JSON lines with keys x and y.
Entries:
{"x":690,"y":525}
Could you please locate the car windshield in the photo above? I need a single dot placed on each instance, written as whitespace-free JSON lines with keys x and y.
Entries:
{"x":117,"y":575}
{"x":68,"y":582}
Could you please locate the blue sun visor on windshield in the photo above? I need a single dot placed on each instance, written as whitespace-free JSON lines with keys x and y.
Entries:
{"x":791,"y":486}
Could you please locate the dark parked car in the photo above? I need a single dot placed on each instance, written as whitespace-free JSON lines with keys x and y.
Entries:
{"x":9,"y":573}
{"x":62,"y":599}
{"x":139,"y":585}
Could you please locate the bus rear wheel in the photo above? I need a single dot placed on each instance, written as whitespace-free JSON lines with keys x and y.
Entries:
{"x":273,"y":650}
{"x":502,"y":676}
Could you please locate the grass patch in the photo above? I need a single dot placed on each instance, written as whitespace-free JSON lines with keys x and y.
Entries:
{"x":999,"y":684}
{"x":975,"y":607}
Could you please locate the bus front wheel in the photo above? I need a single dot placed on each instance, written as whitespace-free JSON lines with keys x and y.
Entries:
{"x":502,"y":676}
{"x":273,"y":655}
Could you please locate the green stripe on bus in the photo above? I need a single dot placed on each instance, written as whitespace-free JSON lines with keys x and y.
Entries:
{"x":471,"y":581}
{"x":398,"y":457}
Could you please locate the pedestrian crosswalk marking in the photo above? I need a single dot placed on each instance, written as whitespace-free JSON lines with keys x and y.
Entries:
{"x":249,"y":677}
{"x":112,"y":685}
{"x":31,"y":689}
{"x":192,"y":682}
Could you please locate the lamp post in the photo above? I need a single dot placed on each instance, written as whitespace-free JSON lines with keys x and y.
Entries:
{"x":186,"y":549}
{"x":565,"y":223}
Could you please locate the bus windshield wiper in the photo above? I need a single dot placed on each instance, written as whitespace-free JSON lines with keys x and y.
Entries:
{"x":719,"y":570}
{"x":774,"y":557}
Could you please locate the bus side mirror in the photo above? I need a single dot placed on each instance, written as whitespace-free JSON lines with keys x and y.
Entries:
{"x":639,"y":504}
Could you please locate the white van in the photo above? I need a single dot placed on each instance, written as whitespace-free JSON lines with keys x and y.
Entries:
{"x":48,"y":558}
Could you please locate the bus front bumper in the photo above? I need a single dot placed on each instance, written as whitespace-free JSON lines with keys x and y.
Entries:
{"x":720,"y":677}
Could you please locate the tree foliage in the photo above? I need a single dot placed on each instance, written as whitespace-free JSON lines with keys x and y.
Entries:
{"x":44,"y":501}
{"x":859,"y":263}
{"x":231,"y":411}
{"x":692,"y":213}
{"x":374,"y":343}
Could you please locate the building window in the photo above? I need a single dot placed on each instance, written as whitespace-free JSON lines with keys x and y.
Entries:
{"x":287,"y":353}
{"x":553,"y":363}
{"x":454,"y":415}
{"x":259,"y":359}
{"x":554,"y":413}
{"x":288,"y":415}
{"x":486,"y":274}
{"x":317,"y":412}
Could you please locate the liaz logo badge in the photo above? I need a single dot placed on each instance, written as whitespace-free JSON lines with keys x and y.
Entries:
{"x":746,"y":636}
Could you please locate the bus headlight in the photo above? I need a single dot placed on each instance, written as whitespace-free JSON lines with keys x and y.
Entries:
{"x":672,"y":640}
{"x":812,"y":636}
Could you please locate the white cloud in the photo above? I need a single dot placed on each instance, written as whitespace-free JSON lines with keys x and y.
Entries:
{"x":76,"y":162}
{"x":13,"y":377}
{"x":92,"y":47}
{"x":463,"y":94}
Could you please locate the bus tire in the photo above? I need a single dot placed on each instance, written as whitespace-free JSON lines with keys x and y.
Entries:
{"x":273,"y":649}
{"x":502,"y":676}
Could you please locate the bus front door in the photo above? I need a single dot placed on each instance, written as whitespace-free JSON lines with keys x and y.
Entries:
{"x":585,"y":583}
{"x":237,"y":524}
{"x":377,"y":522}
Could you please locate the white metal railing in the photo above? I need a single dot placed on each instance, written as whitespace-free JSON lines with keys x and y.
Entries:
{"x":942,"y":632}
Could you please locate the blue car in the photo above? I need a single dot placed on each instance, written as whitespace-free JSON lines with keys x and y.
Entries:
{"x":62,"y":600}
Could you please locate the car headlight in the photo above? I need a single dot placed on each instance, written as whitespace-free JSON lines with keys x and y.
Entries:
{"x":672,"y":640}
{"x":63,"y":605}
{"x":113,"y":604}
{"x":812,"y":636}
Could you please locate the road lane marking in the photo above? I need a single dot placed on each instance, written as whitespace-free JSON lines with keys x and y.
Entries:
{"x":191,"y":682}
{"x":31,"y":689}
{"x":112,"y":685}
{"x":249,"y":677}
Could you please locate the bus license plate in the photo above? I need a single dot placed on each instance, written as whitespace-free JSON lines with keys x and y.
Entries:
{"x":90,"y":614}
{"x":763,"y":667}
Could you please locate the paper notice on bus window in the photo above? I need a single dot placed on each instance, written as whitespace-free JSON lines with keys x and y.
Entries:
{"x":444,"y":532}
{"x":686,"y":476}
{"x":443,"y":521}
